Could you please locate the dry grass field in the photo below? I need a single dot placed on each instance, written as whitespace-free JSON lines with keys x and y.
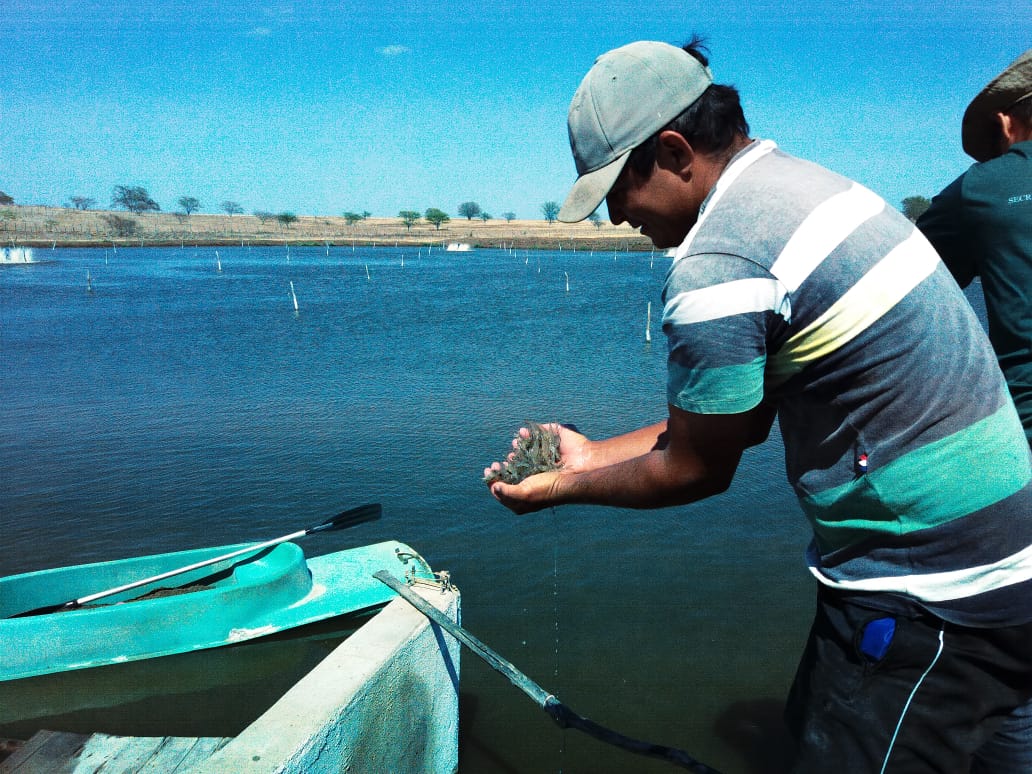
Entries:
{"x":37,"y":226}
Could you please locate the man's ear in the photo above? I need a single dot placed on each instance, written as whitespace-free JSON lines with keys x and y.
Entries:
{"x":1011,"y":131}
{"x":674,"y":152}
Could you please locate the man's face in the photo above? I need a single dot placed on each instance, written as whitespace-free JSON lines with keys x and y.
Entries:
{"x":663,"y":206}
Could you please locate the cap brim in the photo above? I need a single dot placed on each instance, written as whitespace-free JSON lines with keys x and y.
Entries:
{"x":979,"y":129}
{"x":591,"y":189}
{"x":978,"y":134}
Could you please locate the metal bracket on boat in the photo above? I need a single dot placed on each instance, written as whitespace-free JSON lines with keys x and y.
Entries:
{"x":415,"y":575}
{"x":441,"y":580}
{"x":406,"y":556}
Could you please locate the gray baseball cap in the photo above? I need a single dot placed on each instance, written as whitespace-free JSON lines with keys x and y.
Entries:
{"x":629,"y":94}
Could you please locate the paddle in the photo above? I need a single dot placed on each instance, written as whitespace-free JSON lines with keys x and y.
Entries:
{"x":349,"y":518}
{"x":559,"y":712}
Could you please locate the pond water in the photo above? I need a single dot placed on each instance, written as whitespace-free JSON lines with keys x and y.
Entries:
{"x":150,"y":402}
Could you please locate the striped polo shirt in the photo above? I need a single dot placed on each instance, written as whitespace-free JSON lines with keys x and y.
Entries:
{"x":804,"y":289}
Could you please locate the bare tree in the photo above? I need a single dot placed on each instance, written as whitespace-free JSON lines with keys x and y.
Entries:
{"x":231,"y":208}
{"x":550,"y":210}
{"x":82,"y":202}
{"x":123,"y":227}
{"x":469,"y":210}
{"x":189,"y":204}
{"x":133,"y":198}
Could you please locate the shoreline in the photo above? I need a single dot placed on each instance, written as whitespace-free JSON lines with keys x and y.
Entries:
{"x":52,"y":227}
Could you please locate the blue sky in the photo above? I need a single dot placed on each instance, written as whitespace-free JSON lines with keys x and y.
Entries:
{"x":321,"y":107}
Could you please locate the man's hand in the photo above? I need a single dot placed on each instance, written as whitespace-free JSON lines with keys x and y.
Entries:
{"x":531,"y":494}
{"x":574,"y":449}
{"x":686,"y":458}
{"x":540,"y":490}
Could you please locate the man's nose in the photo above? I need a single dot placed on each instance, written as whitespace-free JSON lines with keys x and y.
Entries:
{"x":616,"y":216}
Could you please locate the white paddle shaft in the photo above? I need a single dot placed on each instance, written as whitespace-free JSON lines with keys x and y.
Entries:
{"x":172,"y":573}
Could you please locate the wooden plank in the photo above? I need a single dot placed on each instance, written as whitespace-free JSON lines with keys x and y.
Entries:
{"x":179,"y":754}
{"x":48,"y":752}
{"x":51,"y":752}
{"x":116,"y":753}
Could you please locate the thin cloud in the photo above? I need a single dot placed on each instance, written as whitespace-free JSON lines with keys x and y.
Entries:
{"x":393,"y":50}
{"x":279,"y":12}
{"x":259,"y":32}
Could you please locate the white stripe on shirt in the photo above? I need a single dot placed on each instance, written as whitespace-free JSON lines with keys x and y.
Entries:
{"x":876,"y":293}
{"x":726,"y":300}
{"x":943,"y":586}
{"x":824,"y":229}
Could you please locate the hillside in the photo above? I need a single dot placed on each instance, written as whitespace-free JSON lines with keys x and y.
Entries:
{"x":37,"y":226}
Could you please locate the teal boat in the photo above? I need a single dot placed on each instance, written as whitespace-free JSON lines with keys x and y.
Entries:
{"x":234,"y":601}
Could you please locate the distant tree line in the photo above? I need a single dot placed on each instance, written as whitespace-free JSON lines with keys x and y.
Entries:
{"x":351,"y":218}
{"x":137,"y":200}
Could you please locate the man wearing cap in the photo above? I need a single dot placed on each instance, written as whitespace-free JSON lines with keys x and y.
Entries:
{"x":797,"y":293}
{"x":981,"y":224}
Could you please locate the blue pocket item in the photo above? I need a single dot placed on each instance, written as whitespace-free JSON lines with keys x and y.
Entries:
{"x":877,"y":637}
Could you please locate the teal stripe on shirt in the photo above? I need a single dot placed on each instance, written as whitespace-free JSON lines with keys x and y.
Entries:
{"x":727,"y":389}
{"x":931,"y":485}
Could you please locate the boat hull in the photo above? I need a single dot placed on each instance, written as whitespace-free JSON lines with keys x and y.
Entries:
{"x":237,"y":600}
{"x":212,"y":693}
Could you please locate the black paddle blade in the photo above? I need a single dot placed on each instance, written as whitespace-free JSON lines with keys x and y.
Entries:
{"x":350,"y":518}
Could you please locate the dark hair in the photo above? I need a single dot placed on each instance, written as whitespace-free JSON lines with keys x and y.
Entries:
{"x":711,"y":124}
{"x":1021,"y":110}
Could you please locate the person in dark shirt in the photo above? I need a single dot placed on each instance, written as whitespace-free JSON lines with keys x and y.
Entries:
{"x":981,"y":225}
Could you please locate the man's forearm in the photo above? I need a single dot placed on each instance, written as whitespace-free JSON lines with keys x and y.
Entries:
{"x":621,"y":448}
{"x":652,"y":480}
